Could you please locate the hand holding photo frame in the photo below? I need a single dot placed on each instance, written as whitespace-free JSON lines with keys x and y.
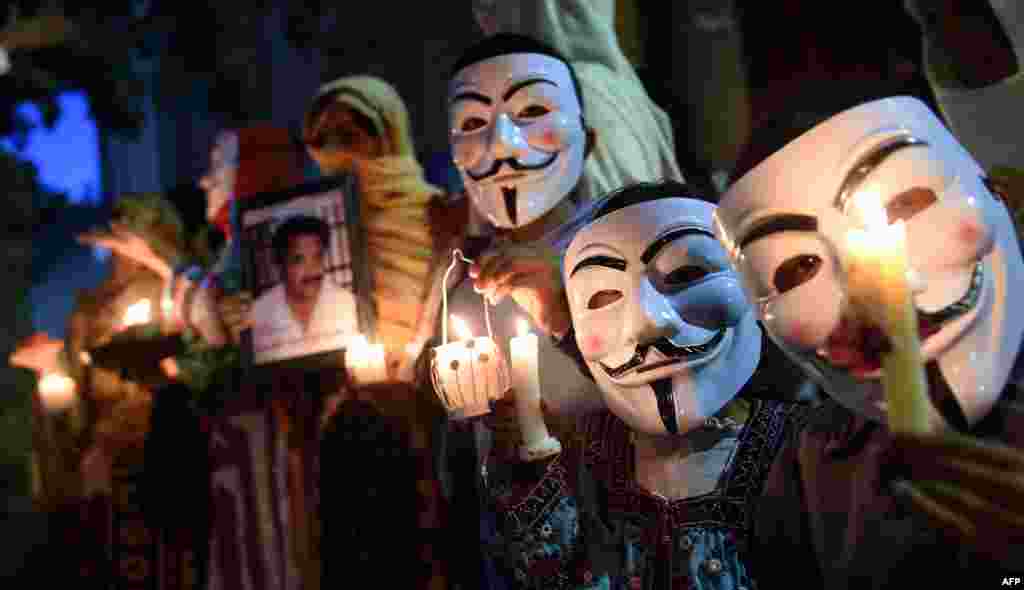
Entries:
{"x":305,"y":264}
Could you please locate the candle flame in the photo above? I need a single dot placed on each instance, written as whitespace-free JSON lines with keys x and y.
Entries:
{"x":358,"y":341}
{"x":523,"y":327}
{"x":138,"y":313}
{"x":85,"y":357}
{"x":869,"y":206}
{"x":57,"y":391}
{"x":461,"y":328}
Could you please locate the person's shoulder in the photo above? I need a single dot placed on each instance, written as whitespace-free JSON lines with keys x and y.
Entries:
{"x":335,"y":290}
{"x":269,"y":298}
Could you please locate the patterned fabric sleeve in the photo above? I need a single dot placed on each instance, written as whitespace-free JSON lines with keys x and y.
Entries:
{"x":542,"y":522}
{"x":539,"y":536}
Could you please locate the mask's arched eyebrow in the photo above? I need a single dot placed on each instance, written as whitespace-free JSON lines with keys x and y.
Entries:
{"x":523,"y":84}
{"x":778,"y":223}
{"x":474,"y":96}
{"x":867,"y":163}
{"x":606,"y":261}
{"x":652,"y":250}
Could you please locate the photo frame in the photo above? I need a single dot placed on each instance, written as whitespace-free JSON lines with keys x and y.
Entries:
{"x":304,"y":260}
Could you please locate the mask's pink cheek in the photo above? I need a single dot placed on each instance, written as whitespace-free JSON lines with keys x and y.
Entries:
{"x":591,"y":345}
{"x":970,"y":232}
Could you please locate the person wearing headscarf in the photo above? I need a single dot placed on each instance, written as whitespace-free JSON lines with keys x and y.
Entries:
{"x":360,"y":125}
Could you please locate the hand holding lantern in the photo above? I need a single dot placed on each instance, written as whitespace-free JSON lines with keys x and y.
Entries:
{"x":469,"y":373}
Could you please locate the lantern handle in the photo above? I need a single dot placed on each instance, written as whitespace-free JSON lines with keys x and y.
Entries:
{"x":457,"y":255}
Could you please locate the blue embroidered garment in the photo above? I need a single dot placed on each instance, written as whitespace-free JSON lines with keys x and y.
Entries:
{"x":581,"y":521}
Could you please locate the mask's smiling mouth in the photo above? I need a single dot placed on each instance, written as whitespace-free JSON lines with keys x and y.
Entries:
{"x":857,"y":347}
{"x":675,"y":353}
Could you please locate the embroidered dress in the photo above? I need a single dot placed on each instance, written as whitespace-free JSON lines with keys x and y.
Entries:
{"x":587,"y":523}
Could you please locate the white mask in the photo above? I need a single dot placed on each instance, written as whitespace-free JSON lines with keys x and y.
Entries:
{"x":660,"y":317}
{"x":517,"y":135}
{"x":786,"y":222}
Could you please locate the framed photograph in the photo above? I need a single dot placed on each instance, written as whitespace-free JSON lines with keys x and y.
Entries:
{"x":305,"y":263}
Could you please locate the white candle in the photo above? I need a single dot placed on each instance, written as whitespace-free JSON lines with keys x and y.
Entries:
{"x":377,"y":366}
{"x":56,"y":391}
{"x":366,"y":363}
{"x":407,"y":366}
{"x":468,"y":373}
{"x":524,"y":350}
{"x":879,"y":286}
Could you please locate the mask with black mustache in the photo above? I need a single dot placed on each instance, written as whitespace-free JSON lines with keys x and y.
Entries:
{"x":660,"y":318}
{"x":787,"y":224}
{"x":663,"y":387}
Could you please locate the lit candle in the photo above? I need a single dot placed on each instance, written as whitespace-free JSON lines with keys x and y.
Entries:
{"x":378,"y":365}
{"x":879,"y":284}
{"x":56,"y":391}
{"x":138,"y":314}
{"x":366,"y":363}
{"x":524,"y":350}
{"x":407,"y":366}
{"x":468,"y":373}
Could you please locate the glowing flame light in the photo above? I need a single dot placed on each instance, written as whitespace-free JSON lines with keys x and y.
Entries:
{"x":879,"y":234}
{"x":522,"y":327}
{"x":57,"y":391}
{"x":358,"y":341}
{"x":462,"y":331}
{"x":869,"y":207}
{"x":139,"y":313}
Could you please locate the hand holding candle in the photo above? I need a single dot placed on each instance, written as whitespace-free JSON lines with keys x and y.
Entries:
{"x":879,"y":287}
{"x":524,"y":351}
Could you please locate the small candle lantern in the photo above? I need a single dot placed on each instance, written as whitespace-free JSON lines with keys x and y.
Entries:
{"x":879,"y":288}
{"x":470,"y":372}
{"x":366,"y":362}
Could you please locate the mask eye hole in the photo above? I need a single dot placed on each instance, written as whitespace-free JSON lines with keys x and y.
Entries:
{"x":533,"y":111}
{"x":685,"y":275}
{"x":909,"y":203}
{"x":603,"y":299}
{"x":796,"y":271}
{"x":472,"y":124}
